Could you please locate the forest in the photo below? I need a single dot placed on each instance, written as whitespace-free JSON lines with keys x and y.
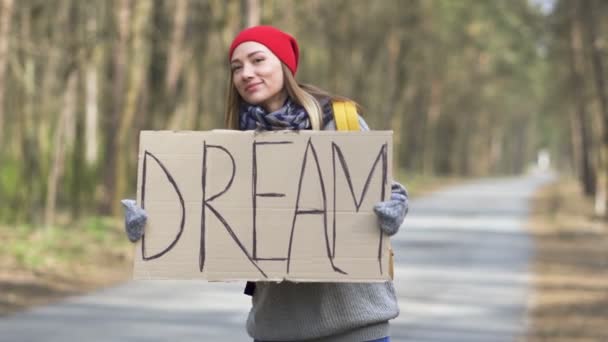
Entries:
{"x":470,"y":88}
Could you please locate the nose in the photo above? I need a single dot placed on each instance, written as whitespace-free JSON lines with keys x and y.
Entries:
{"x":247,"y":71}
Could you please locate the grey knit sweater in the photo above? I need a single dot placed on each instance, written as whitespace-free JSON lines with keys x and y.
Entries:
{"x":322,"y":312}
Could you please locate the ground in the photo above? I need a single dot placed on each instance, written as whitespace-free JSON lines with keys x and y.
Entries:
{"x":39,"y":265}
{"x":570,"y":267}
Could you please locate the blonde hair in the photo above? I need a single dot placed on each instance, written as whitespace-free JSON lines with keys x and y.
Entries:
{"x":305,"y":95}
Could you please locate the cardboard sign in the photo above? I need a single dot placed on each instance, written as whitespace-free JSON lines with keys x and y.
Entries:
{"x":230,"y":205}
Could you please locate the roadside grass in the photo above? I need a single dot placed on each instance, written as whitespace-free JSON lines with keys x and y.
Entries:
{"x":39,"y":265}
{"x":39,"y":248}
{"x":420,"y":184}
{"x":570,"y":302}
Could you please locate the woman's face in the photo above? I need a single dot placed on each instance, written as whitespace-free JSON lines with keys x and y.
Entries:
{"x":258,"y":76}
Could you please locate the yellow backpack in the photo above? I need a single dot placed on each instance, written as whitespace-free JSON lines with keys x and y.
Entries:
{"x":345,"y":116}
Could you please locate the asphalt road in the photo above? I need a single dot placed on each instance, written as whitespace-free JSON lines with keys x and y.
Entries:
{"x":462,"y":273}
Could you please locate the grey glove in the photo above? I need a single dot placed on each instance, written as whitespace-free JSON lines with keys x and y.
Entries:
{"x":391,"y":213}
{"x":135,"y":219}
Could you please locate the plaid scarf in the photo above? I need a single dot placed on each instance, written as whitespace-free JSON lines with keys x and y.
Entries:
{"x":291,"y":116}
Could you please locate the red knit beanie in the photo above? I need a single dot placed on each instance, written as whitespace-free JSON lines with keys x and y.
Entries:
{"x":280,"y":43}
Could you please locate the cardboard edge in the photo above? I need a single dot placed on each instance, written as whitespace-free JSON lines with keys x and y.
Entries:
{"x":143,"y":133}
{"x":391,"y":263}
{"x":389,"y":276}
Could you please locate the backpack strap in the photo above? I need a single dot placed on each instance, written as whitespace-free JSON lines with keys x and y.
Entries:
{"x":345,"y":116}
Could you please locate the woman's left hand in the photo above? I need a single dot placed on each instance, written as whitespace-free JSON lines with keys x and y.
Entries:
{"x":391,"y":213}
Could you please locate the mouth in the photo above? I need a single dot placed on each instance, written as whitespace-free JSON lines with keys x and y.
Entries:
{"x":252,"y":86}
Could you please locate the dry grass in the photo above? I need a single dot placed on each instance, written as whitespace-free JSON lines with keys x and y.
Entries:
{"x":571,"y":267}
{"x":419,"y":185}
{"x":22,"y":288}
{"x":39,"y":266}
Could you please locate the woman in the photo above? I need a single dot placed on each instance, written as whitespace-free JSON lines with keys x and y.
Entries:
{"x":264,"y":95}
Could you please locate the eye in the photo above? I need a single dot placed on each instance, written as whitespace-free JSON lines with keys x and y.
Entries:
{"x":258,"y":60}
{"x":234,"y":68}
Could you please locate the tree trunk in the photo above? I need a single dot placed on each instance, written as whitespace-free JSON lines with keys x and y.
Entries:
{"x":28,"y":136}
{"x":193,"y":88}
{"x":403,"y":154}
{"x":177,"y":55}
{"x":92,"y":67}
{"x":434,"y":112}
{"x":588,"y":18}
{"x":5,"y":30}
{"x":416,"y":121}
{"x":138,"y":67}
{"x":576,"y":141}
{"x":252,"y":13}
{"x":60,"y":143}
{"x":119,"y":76}
{"x":53,"y":74}
{"x":91,"y":115}
{"x":578,"y":91}
{"x":175,"y":59}
{"x":395,"y":81}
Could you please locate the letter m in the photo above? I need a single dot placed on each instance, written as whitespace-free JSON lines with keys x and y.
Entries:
{"x":337,"y":154}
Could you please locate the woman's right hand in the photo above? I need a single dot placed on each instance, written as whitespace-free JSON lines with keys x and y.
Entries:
{"x":135,"y":219}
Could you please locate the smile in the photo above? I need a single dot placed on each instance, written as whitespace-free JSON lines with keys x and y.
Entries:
{"x":252,"y":87}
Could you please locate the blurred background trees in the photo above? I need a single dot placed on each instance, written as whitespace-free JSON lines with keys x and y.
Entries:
{"x":470,"y":88}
